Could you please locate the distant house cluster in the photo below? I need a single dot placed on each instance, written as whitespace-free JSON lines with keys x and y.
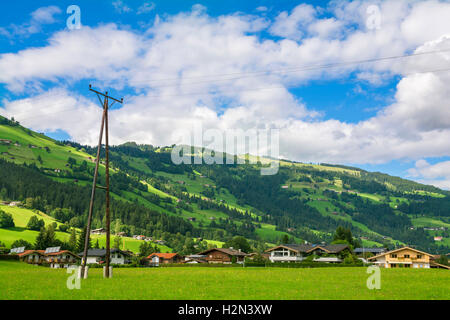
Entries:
{"x":286,"y":253}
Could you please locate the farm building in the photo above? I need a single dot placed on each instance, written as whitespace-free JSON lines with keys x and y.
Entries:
{"x":223,"y":255}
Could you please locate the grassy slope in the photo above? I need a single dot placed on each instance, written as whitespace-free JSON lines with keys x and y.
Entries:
{"x":22,"y":281}
{"x":21,"y":217}
{"x":58,"y":156}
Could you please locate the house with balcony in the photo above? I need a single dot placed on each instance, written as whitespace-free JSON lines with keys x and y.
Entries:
{"x":406,"y":257}
{"x":61,"y":259}
{"x":32,"y":256}
{"x":299,"y":252}
{"x":55,"y":257}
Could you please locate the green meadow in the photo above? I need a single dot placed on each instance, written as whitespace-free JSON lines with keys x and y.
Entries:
{"x":21,"y":281}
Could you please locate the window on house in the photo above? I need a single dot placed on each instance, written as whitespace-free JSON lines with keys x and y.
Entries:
{"x":419,"y":256}
{"x":406,"y":256}
{"x":393,"y":255}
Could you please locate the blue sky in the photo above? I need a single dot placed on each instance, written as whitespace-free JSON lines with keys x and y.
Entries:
{"x":172,"y":61}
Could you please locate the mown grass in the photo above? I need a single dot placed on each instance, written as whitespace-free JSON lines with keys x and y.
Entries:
{"x":21,"y":281}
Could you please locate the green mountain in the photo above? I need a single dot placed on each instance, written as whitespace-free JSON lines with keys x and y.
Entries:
{"x":181,"y":203}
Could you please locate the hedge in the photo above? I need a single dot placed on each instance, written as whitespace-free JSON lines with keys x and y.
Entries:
{"x":9,"y":257}
{"x":300,"y":265}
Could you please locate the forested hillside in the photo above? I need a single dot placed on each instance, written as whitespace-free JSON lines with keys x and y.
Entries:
{"x":178,"y":203}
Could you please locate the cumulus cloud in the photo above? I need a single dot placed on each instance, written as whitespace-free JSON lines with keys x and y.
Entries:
{"x":435,"y":174}
{"x":39,"y":17}
{"x":192,"y":67}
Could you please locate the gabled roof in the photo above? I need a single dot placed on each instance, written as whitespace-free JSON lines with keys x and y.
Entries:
{"x":199,"y":260}
{"x":331,"y":248}
{"x":28,"y":252}
{"x":294,"y":247}
{"x":42,"y":253}
{"x":400,"y":249}
{"x":231,"y":252}
{"x":163,"y":255}
{"x":61,"y":252}
{"x":307,"y":248}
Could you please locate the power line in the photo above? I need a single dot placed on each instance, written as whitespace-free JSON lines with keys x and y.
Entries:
{"x":222,"y":92}
{"x":264,"y":73}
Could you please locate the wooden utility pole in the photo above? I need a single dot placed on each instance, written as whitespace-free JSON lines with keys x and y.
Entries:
{"x":104,"y":127}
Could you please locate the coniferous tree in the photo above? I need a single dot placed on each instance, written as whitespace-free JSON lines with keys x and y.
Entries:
{"x":81,"y":240}
{"x":73,"y":240}
{"x":40,"y":240}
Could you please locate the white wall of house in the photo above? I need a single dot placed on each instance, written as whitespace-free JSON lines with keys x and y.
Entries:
{"x":115,"y":258}
{"x":285,"y":255}
{"x":93,"y":260}
{"x":380,"y":261}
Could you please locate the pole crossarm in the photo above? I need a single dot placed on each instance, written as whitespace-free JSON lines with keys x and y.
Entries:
{"x":105,"y":95}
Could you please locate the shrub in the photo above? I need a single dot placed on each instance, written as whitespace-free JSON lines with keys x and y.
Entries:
{"x":63,"y":227}
{"x":6,"y":220}
{"x":9,"y":257}
{"x":22,"y":243}
{"x":35,"y":224}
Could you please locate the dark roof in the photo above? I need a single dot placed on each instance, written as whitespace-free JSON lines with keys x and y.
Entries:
{"x":335,"y":248}
{"x":102,"y":252}
{"x":371,"y":250}
{"x":231,"y":252}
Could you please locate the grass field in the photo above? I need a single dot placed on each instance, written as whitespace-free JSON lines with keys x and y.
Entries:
{"x":22,"y":281}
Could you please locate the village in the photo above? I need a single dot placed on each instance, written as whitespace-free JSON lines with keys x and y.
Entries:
{"x":404,"y":257}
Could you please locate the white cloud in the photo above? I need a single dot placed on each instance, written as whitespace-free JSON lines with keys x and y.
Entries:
{"x":45,"y":14}
{"x":290,"y":25}
{"x":39,"y":17}
{"x":121,"y":7}
{"x":192,"y":66}
{"x":146,"y":7}
{"x":261,"y":8}
{"x":98,"y":53}
{"x":437,"y":174}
